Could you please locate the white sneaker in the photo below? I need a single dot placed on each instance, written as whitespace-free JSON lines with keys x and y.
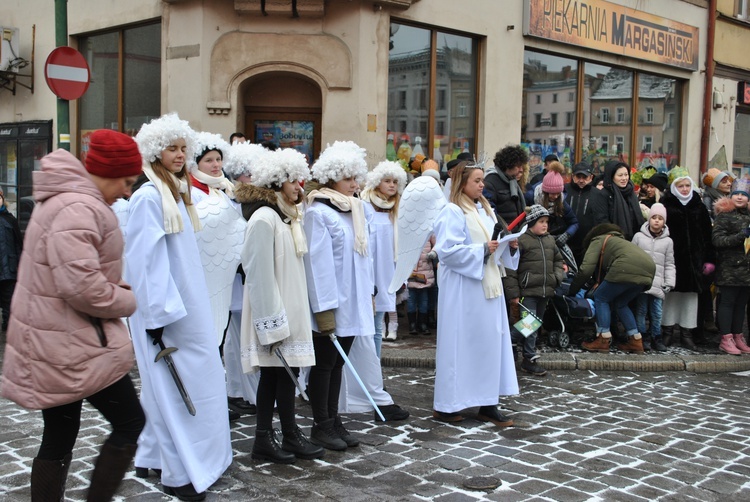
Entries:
{"x":390,"y":337}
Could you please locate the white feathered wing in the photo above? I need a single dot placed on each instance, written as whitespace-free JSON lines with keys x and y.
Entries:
{"x":220,"y":243}
{"x":418,"y":208}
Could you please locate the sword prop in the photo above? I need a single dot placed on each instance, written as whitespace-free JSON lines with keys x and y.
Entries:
{"x":354,"y":372}
{"x":166,"y":354}
{"x":291,"y":374}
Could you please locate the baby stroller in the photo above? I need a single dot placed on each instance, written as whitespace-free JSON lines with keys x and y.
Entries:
{"x":568,"y":309}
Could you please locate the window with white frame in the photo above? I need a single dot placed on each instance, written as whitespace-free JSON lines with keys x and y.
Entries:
{"x":648,"y":142}
{"x":604,"y":142}
{"x":649,"y":115}
{"x":604,"y":115}
{"x":620,"y":115}
{"x":742,"y":11}
{"x":569,"y":119}
{"x":571,"y":97}
{"x":620,"y":143}
{"x":463,"y":108}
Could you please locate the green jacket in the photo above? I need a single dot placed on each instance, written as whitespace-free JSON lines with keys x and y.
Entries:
{"x":540,"y":267}
{"x":623,"y":262}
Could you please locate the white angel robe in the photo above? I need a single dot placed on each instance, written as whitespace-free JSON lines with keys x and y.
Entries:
{"x":474,"y":358}
{"x":362,"y":354}
{"x":239,"y":383}
{"x":337,"y":276}
{"x":164,"y":271}
{"x":275,"y":307}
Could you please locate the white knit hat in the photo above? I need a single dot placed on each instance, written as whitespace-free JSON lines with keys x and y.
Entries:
{"x":204,"y":143}
{"x":241,"y":158}
{"x":386,"y":169}
{"x":157,"y":135}
{"x":342,"y":159}
{"x":274,"y":168}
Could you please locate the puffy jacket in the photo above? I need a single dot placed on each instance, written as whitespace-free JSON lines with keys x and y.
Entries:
{"x":540,"y":267}
{"x":66,"y":339}
{"x":623,"y":262}
{"x":567,"y":223}
{"x":497,"y":192}
{"x":661,"y":250}
{"x":579,"y":200}
{"x":732,"y":263}
{"x":424,"y":269}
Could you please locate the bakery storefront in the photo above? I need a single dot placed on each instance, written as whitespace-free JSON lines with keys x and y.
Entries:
{"x":579,"y":107}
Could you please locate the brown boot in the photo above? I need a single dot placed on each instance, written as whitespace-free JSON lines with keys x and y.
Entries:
{"x":599,"y":344}
{"x":633,"y":345}
{"x":48,"y":479}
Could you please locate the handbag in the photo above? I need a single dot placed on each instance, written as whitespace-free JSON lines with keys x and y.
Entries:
{"x":590,"y":293}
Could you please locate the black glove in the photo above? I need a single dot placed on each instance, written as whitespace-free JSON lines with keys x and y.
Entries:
{"x":746,"y":231}
{"x":156,"y":334}
{"x":562,"y":239}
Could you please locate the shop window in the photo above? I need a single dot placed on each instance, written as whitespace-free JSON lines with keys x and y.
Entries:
{"x":659,"y":100}
{"x":452,"y":116}
{"x":548,"y":77}
{"x":742,"y":141}
{"x":125,"y":89}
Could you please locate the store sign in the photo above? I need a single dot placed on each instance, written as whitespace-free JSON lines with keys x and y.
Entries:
{"x":609,"y":27}
{"x":744,"y":93}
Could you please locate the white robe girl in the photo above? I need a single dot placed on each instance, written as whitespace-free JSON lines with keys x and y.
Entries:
{"x":166,"y":275}
{"x":474,"y":357}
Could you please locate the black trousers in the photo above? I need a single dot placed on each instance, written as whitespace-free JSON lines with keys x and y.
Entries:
{"x":118,"y":403}
{"x":731,"y":308}
{"x":6,"y":293}
{"x":325,"y":377}
{"x":275,"y":385}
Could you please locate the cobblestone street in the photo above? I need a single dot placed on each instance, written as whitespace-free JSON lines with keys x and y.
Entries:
{"x":579,"y":435}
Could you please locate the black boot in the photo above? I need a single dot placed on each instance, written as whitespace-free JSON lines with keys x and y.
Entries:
{"x":687,"y":339}
{"x":646,"y":340}
{"x":296,"y":443}
{"x":658,"y":344}
{"x":666,"y":335}
{"x":48,"y":479}
{"x":412,"y":322}
{"x":344,"y":434}
{"x":323,"y":434}
{"x":266,"y":448}
{"x":110,"y":468}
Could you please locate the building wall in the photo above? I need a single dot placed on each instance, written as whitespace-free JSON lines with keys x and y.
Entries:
{"x":202,"y":78}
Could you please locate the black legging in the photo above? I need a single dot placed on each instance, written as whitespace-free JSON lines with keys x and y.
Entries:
{"x":731,"y":308}
{"x":118,"y":403}
{"x":275,"y":385}
{"x":325,"y":377}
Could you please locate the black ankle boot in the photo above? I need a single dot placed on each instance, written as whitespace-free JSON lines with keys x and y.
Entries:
{"x":266,"y":448}
{"x":323,"y":434}
{"x":48,"y":479}
{"x":687,"y":339}
{"x":412,"y":323}
{"x":666,"y":335}
{"x":297,"y":444}
{"x":344,"y":434}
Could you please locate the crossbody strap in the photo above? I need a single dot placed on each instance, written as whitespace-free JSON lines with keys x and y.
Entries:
{"x":601,"y":259}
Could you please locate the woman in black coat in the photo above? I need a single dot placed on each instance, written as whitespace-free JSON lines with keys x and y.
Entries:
{"x":690,"y":229}
{"x":617,"y":202}
{"x":10,"y":253}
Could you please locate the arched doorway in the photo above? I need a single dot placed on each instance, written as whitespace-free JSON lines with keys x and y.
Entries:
{"x":285,"y":108}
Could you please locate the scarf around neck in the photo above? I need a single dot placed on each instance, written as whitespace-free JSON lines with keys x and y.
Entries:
{"x":215,"y":184}
{"x":492,"y":280}
{"x":172,"y":218}
{"x":379,"y":200}
{"x":627,"y":210}
{"x":346,"y":204}
{"x":684,"y":199}
{"x":294,"y":215}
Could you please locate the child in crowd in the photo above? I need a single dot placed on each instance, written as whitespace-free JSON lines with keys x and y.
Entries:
{"x":421,"y":284}
{"x":654,"y":240}
{"x":540,"y":271}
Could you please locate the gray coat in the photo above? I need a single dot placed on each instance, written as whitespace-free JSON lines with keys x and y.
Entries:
{"x":661,"y":249}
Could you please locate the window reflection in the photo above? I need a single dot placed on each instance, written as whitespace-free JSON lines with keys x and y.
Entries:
{"x":609,"y":106}
{"x":658,"y":107}
{"x":142,"y":76}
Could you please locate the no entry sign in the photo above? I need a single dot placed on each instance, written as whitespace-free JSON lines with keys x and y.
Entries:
{"x":67,"y":73}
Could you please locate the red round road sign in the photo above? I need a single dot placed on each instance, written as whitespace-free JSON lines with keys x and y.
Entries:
{"x":67,"y":73}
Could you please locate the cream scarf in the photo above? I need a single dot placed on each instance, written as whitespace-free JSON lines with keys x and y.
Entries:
{"x":172,"y":217}
{"x":292,"y":211}
{"x":378,"y":199}
{"x":215,"y":184}
{"x":492,"y":281}
{"x":346,"y":204}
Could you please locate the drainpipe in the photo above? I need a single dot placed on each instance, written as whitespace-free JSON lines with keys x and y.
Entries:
{"x":708,"y":91}
{"x":63,"y":105}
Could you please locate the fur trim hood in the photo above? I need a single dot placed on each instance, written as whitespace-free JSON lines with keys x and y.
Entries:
{"x":724,"y":205}
{"x":245,"y":193}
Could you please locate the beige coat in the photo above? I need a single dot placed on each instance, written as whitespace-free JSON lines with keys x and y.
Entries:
{"x":66,"y":340}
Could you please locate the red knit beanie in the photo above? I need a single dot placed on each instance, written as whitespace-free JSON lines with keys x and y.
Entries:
{"x":113,"y":154}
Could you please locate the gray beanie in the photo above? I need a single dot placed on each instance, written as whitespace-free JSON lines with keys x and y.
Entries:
{"x":535,"y":212}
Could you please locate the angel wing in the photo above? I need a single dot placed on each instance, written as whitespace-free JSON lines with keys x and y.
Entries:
{"x":418,"y":208}
{"x":220,"y":243}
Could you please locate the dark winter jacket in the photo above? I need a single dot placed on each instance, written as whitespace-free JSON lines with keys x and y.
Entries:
{"x":540,"y":267}
{"x":623,"y":262}
{"x":10,"y":245}
{"x":690,"y":230}
{"x":579,"y":200}
{"x":567,"y":223}
{"x":497,"y":192}
{"x":728,"y":237}
{"x":604,"y":204}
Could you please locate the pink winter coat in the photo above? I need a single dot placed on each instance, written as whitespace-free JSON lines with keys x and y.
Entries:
{"x":423,"y":275}
{"x":66,"y":340}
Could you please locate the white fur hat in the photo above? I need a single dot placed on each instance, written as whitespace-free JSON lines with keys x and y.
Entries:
{"x":386,"y":169}
{"x":205,"y":142}
{"x":241,"y":158}
{"x":276,"y":167}
{"x":157,"y":135}
{"x":342,"y":159}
